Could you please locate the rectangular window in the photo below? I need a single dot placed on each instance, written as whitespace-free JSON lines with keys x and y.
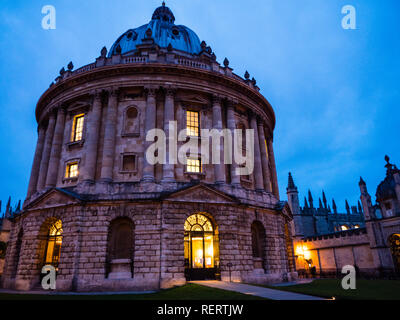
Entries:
{"x":128,"y":163}
{"x":77,"y":128}
{"x":192,"y":123}
{"x":72,"y":170}
{"x":193,"y":166}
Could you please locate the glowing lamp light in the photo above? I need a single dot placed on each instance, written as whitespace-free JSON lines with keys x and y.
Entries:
{"x":299,"y":251}
{"x":307,"y":254}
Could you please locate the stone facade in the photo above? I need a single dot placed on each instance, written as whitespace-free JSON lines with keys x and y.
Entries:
{"x":90,"y":172}
{"x":373,"y":247}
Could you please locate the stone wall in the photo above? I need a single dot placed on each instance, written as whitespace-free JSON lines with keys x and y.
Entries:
{"x":329,"y":253}
{"x":158,"y":244}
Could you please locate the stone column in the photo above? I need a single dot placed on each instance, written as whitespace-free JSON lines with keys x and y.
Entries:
{"x":169,"y":115}
{"x":92,"y":138}
{"x":274,"y":177}
{"x":231,"y":123}
{"x":54,"y":162}
{"x":107,"y":164}
{"x":150,"y":123}
{"x":264,"y":157}
{"x":36,"y":162}
{"x":44,"y":163}
{"x":219,"y":169}
{"x":258,"y":173}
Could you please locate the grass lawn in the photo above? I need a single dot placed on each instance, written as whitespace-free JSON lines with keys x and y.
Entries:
{"x":365,"y":289}
{"x":187,"y":292}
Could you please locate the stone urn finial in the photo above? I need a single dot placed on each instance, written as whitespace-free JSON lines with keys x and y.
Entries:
{"x":103,"y":52}
{"x":226,"y":62}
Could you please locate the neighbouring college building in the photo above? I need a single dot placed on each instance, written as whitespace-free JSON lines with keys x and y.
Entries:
{"x":366,"y":236}
{"x":106,"y":218}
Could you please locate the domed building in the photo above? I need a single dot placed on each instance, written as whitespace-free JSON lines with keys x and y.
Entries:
{"x":107,"y":218}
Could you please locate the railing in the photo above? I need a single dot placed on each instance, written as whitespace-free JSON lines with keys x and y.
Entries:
{"x":143,"y":59}
{"x":127,"y":60}
{"x":193,"y":64}
{"x":85,"y":68}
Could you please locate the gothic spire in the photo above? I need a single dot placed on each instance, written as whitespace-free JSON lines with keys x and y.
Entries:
{"x":347,"y":207}
{"x":320,"y":203}
{"x":362,"y":182}
{"x":310,"y":199}
{"x":8,"y":208}
{"x":291,"y":184}
{"x":324,"y":199}
{"x":334,"y":207}
{"x":18,"y":209}
{"x":305,"y":203}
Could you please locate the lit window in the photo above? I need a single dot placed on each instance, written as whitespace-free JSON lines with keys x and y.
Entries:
{"x":199,"y":243}
{"x":77,"y":128}
{"x":192,"y":123}
{"x":344,"y":228}
{"x":72,"y":170}
{"x":356,"y":226}
{"x":54,"y":241}
{"x":193,"y":165}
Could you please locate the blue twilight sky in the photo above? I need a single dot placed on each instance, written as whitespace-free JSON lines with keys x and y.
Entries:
{"x":335,"y":92}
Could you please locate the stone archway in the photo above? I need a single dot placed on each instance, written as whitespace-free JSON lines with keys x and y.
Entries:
{"x":201,"y":248}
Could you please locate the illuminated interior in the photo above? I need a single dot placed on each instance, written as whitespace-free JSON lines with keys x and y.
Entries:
{"x":199,"y":242}
{"x":54,"y":242}
{"x":192,"y":123}
{"x":77,"y":128}
{"x":72,"y":170}
{"x":193,"y":165}
{"x":344,"y":228}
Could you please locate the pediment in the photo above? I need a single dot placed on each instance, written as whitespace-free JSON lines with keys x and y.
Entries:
{"x":200,"y":194}
{"x":195,"y":99}
{"x":51,"y":199}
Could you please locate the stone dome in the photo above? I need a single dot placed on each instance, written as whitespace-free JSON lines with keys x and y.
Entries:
{"x":163,"y":32}
{"x":387,"y":188}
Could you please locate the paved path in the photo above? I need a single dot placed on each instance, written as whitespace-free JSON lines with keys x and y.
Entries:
{"x":256,"y":291}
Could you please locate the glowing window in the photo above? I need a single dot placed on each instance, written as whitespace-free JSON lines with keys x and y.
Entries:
{"x":344,"y":228}
{"x":72,"y":170}
{"x":192,"y":123}
{"x":356,"y":226}
{"x":193,"y":165}
{"x":54,"y":241}
{"x":199,"y":242}
{"x":77,"y":128}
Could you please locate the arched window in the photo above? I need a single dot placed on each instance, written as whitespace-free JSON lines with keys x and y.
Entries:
{"x":199,"y":242}
{"x":394,"y":242}
{"x":17,"y":253}
{"x":258,"y":239}
{"x":120,"y":247}
{"x":131,"y":122}
{"x":53,"y":246}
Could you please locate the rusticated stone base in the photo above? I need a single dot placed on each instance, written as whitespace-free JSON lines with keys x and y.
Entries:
{"x":158,"y":260}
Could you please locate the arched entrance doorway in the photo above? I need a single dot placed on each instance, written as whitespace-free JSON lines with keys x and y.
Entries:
{"x":201,"y":249}
{"x":394,"y":242}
